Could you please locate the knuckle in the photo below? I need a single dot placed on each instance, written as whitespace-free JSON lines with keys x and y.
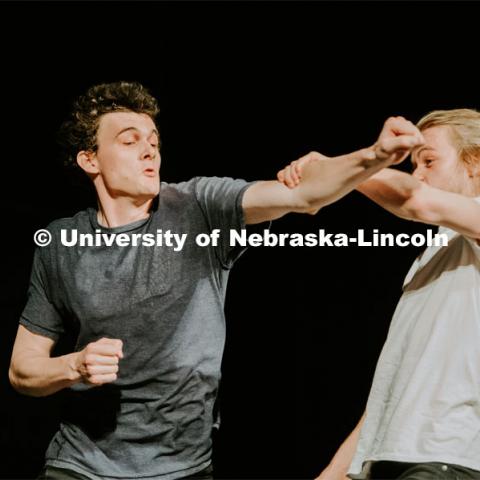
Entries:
{"x":89,"y":358}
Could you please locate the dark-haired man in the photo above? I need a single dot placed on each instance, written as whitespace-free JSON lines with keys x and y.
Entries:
{"x":149,"y":321}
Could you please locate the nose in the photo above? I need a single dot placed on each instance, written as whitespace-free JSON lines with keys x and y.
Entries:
{"x":418,"y":174}
{"x":149,"y":152}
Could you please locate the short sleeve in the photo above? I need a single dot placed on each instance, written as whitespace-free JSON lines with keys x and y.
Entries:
{"x":40,"y":315}
{"x":220,"y":200}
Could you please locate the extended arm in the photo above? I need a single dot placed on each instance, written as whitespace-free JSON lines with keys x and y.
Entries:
{"x":325,"y":179}
{"x":405,"y":196}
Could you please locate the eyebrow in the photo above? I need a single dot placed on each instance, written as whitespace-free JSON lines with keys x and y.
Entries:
{"x":420,"y":150}
{"x":154,"y":130}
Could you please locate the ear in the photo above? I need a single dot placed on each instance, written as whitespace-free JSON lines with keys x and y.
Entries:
{"x":473,"y":169}
{"x":87,"y":161}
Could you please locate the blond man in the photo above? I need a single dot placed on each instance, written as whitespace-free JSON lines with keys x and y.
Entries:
{"x":422,"y":419}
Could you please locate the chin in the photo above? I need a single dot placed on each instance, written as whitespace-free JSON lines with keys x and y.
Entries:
{"x":151,"y":190}
{"x":151,"y":194}
{"x":146,"y":193}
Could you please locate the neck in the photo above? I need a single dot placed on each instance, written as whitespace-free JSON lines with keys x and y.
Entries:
{"x":122,"y":211}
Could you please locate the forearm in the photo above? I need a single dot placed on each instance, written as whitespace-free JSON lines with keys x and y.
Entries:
{"x":408,"y":198}
{"x":328,"y":179}
{"x":396,"y":191}
{"x":341,"y":461}
{"x":39,"y":376}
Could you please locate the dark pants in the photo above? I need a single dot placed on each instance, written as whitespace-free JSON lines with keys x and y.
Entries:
{"x":54,"y":473}
{"x":421,"y":471}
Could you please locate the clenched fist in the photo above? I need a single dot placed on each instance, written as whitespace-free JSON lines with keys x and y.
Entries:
{"x":397,"y":139}
{"x":97,"y":363}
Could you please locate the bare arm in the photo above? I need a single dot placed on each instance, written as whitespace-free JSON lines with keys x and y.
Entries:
{"x":405,"y":196}
{"x":33,"y":372}
{"x":325,"y":180}
{"x":338,"y":467}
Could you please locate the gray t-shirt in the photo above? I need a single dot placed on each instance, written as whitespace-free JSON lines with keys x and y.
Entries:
{"x":167,"y":307}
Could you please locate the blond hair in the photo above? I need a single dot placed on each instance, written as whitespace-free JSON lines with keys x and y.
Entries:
{"x":464,"y":126}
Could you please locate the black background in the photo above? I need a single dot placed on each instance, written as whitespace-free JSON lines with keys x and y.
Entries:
{"x":244,"y":89}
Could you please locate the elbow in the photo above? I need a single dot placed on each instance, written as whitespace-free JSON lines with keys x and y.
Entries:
{"x":20,"y":384}
{"x":313,"y":210}
{"x":14,"y":379}
{"x":310,"y":208}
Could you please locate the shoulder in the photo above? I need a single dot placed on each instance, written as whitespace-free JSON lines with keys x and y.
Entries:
{"x":49,"y":239}
{"x":78,"y":220}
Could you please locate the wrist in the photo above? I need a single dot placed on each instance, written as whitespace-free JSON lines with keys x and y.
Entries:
{"x":371,"y":158}
{"x":72,"y":366}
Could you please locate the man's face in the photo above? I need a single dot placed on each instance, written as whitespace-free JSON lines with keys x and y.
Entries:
{"x":128,"y":156}
{"x":437,"y":163}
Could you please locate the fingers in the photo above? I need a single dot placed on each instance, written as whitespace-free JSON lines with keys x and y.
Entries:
{"x":291,"y":178}
{"x":295,"y":172}
{"x":93,"y":370}
{"x":99,"y":361}
{"x":292,"y":174}
{"x":397,"y":139}
{"x":101,"y":379}
{"x":403,"y":142}
{"x":99,"y":374}
{"x":398,"y":126}
{"x":110,"y":341}
{"x":287,"y":177}
{"x":107,"y":346}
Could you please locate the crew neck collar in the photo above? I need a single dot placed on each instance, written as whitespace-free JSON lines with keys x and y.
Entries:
{"x":92,"y":213}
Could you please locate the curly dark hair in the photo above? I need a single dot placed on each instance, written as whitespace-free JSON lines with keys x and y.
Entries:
{"x":79,"y":131}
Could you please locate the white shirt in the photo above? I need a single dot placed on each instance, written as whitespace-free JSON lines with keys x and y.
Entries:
{"x":424,"y":404}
